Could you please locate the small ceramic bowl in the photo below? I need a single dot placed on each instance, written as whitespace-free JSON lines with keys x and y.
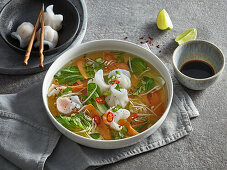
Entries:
{"x":198,"y":50}
{"x":15,"y":12}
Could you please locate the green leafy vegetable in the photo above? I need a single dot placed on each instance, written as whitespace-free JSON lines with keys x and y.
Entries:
{"x":139,"y":128}
{"x":121,"y":134}
{"x":138,"y":65}
{"x":102,"y":108}
{"x":124,"y":128}
{"x":107,"y":93}
{"x":116,"y":108}
{"x":140,"y":119}
{"x":119,"y":59}
{"x":145,"y":86}
{"x":95,"y":135}
{"x":118,"y":87}
{"x":68,"y":75}
{"x":65,"y":91}
{"x":94,"y":66}
{"x":77,"y":121}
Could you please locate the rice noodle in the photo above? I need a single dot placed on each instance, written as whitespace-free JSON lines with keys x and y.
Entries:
{"x":129,"y":63}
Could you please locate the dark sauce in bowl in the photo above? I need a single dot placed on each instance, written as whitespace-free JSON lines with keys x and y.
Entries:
{"x":197,"y":69}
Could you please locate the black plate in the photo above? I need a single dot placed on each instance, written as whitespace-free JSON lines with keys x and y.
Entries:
{"x":18,"y":11}
{"x":11,"y":60}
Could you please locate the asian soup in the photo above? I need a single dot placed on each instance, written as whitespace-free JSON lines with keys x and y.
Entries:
{"x":107,"y":95}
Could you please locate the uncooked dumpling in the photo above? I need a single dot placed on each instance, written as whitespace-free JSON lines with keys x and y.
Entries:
{"x":23,"y":33}
{"x":50,"y":37}
{"x":51,"y":19}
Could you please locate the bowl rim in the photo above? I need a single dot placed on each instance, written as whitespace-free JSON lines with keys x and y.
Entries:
{"x":48,"y":51}
{"x":119,"y":140}
{"x":184,"y":45}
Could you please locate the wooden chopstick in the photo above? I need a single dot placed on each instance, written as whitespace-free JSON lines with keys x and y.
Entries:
{"x":28,"y":52}
{"x":41,"y":44}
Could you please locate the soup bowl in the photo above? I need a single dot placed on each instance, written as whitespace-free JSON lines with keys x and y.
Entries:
{"x":102,"y":45}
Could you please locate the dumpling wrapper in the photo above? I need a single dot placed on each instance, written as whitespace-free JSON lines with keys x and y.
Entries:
{"x":117,"y":98}
{"x":23,"y":33}
{"x":99,"y":80}
{"x":50,"y":37}
{"x":51,"y":19}
{"x":123,"y":77}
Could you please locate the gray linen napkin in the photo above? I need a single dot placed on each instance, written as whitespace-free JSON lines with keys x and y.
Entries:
{"x":27,"y":137}
{"x":28,"y":140}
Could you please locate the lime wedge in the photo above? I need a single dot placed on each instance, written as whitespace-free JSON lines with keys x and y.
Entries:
{"x":187,"y":35}
{"x":163,"y":21}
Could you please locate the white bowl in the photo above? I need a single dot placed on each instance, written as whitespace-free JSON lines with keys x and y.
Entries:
{"x":100,"y":45}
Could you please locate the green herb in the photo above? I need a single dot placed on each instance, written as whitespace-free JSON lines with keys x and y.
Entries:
{"x":107,"y":93}
{"x":95,"y":135}
{"x":118,"y":87}
{"x":116,"y":108}
{"x":124,"y":128}
{"x":119,"y":59}
{"x":66,"y":90}
{"x":77,"y":121}
{"x":99,"y":60}
{"x":138,"y":65}
{"x":117,"y":72}
{"x":121,"y":134}
{"x":140,"y":119}
{"x":145,"y":86}
{"x":139,"y":128}
{"x":68,"y":75}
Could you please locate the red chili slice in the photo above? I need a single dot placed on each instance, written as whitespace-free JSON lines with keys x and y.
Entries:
{"x":97,"y":119}
{"x":133,"y":116}
{"x":116,"y":82}
{"x":109,"y":117}
{"x":100,"y":100}
{"x":106,"y":70}
{"x":130,"y":91}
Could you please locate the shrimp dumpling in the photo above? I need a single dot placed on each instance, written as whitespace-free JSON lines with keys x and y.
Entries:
{"x":23,"y":33}
{"x":123,"y":76}
{"x":99,"y":80}
{"x":50,"y":37}
{"x":51,"y":19}
{"x":117,"y":98}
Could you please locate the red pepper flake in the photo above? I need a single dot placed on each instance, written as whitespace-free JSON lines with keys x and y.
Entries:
{"x":109,"y":117}
{"x":147,"y":41}
{"x":100,"y":100}
{"x":152,"y":44}
{"x":116,"y":82}
{"x":97,"y":119}
{"x":141,"y":42}
{"x":151,"y":38}
{"x":160,"y":51}
{"x":133,"y":116}
{"x":142,"y":37}
{"x":126,"y":38}
{"x":158,"y":46}
{"x":130,"y":91}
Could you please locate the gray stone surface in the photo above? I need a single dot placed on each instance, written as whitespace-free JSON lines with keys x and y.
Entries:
{"x":206,"y":147}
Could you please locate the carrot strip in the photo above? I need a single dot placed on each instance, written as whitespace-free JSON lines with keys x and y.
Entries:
{"x":102,"y":128}
{"x":131,"y":131}
{"x":77,"y":88}
{"x":80,"y":64}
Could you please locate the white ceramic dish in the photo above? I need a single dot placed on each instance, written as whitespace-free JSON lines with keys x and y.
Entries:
{"x":100,"y":45}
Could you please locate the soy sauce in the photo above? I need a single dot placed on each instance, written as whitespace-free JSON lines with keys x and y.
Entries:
{"x":197,"y":69}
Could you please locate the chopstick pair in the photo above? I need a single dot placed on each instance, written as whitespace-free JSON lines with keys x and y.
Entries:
{"x":41,"y":44}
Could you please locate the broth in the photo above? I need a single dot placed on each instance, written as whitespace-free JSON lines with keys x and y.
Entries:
{"x":115,"y":105}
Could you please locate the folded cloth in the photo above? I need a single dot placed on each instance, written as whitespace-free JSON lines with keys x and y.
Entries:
{"x":28,"y":138}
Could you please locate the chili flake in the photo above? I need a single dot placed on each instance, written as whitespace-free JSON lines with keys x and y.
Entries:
{"x":116,"y":82}
{"x":133,"y":116}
